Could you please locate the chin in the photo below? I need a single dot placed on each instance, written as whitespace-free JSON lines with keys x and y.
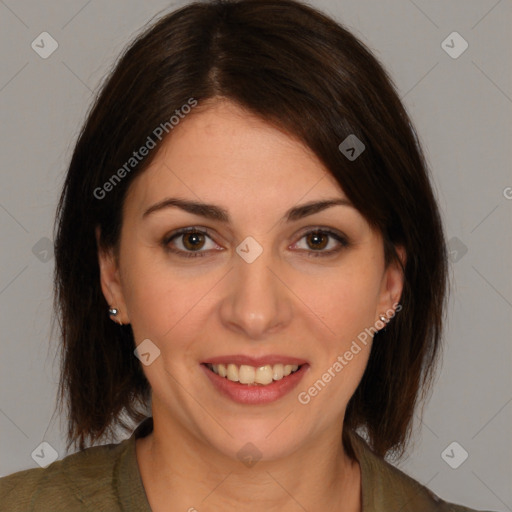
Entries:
{"x":260,"y":439}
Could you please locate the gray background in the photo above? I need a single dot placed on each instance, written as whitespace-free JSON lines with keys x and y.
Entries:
{"x":462,"y":109}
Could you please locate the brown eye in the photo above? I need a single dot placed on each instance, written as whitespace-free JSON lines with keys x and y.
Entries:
{"x":189,"y":242}
{"x":193,"y":240}
{"x":317,"y":240}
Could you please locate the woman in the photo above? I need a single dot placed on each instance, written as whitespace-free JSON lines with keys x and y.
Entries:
{"x":248,"y":241}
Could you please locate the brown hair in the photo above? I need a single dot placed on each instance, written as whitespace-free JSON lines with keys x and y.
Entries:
{"x":304,"y":73}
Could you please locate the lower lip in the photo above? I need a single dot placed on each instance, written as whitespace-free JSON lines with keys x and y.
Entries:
{"x":255,"y":394}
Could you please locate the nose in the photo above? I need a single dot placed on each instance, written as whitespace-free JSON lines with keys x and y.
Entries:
{"x":258,"y":302}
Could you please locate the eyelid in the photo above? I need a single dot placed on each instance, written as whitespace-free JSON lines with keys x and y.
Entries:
{"x":324,"y":229}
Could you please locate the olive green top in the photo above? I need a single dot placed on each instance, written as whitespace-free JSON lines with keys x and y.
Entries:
{"x":106,"y":478}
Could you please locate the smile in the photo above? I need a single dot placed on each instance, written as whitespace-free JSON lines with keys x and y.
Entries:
{"x":254,"y":385}
{"x":246,"y":374}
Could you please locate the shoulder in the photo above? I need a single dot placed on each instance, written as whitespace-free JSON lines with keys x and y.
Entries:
{"x":386,"y":488}
{"x":77,"y":482}
{"x":417,"y":496}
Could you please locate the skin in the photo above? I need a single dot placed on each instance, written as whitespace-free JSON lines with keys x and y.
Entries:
{"x":282,"y":303}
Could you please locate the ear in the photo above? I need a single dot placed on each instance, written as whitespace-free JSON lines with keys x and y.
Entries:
{"x":111,"y":282}
{"x":392,"y":285}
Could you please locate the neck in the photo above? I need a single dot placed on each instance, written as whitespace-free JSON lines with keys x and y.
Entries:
{"x":192,"y":475}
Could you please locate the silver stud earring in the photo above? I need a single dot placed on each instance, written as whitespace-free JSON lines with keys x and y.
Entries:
{"x":384,"y":319}
{"x":113,"y":312}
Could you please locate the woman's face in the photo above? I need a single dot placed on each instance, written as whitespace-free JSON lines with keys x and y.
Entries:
{"x":257,"y":285}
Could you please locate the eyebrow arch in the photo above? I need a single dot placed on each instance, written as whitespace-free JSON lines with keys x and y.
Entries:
{"x":213,"y":212}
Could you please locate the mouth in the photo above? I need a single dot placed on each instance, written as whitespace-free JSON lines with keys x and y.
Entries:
{"x":253,"y":375}
{"x":256,"y":383}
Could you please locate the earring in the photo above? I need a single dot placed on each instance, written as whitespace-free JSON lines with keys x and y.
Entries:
{"x":384,"y":319}
{"x":113,"y":312}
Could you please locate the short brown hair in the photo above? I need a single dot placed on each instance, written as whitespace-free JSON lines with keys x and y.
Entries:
{"x":301,"y":71}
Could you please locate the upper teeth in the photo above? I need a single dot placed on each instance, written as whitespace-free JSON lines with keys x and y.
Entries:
{"x":246,"y":374}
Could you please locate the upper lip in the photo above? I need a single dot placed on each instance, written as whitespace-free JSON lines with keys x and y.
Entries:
{"x":270,"y":359}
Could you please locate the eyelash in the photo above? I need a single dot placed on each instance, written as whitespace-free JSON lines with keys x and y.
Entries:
{"x":199,"y":254}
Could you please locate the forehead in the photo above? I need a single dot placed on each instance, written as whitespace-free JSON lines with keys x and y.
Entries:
{"x":225,"y":151}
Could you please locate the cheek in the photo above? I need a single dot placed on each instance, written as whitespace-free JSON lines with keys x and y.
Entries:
{"x":162,"y":300}
{"x":343,"y":301}
{"x":146,"y":292}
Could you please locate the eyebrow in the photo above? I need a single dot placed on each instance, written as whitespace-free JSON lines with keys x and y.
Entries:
{"x":214,"y":212}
